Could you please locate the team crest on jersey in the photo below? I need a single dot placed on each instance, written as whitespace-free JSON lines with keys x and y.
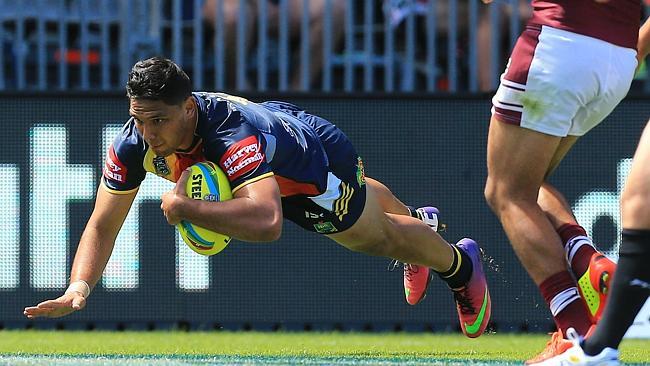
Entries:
{"x":160,"y":164}
{"x":242,"y":157}
{"x":361,"y":174}
{"x":114,"y":169}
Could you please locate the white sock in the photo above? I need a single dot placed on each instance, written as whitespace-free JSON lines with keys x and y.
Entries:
{"x":563,"y":299}
{"x":574,"y":244}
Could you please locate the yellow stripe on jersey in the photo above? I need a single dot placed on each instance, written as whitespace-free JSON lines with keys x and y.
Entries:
{"x":336,"y":206}
{"x":259,"y":177}
{"x":147,"y":163}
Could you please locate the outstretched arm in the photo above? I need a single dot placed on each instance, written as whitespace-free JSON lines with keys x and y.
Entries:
{"x":254,"y":214}
{"x":95,"y":248}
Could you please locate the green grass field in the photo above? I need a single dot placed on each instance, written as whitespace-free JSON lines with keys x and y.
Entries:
{"x":276,"y":348}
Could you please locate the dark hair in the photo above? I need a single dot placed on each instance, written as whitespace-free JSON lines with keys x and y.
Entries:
{"x":158,"y":78}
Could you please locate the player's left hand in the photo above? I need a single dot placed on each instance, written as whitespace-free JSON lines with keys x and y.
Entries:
{"x":171,"y":200}
{"x":56,"y":308}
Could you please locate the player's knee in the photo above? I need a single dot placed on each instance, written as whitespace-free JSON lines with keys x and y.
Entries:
{"x":491,"y":196}
{"x":501,"y":196}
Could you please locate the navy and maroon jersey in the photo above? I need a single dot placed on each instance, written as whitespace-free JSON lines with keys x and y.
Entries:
{"x":320,"y":176}
{"x":616,"y":21}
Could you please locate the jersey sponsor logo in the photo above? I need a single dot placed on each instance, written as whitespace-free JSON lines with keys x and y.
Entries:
{"x":114,"y":169}
{"x":325,"y":227}
{"x":160,"y":164}
{"x":312,"y":215}
{"x":242,"y":157}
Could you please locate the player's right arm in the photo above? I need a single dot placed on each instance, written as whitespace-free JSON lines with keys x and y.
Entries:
{"x":95,"y":248}
{"x":122,"y":175}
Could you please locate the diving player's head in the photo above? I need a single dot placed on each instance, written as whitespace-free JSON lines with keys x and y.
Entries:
{"x":161,"y":103}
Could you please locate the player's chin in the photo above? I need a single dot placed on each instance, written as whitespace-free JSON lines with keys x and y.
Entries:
{"x":162,"y":151}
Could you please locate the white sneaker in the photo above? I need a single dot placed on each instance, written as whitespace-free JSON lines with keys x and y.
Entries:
{"x":575,"y":356}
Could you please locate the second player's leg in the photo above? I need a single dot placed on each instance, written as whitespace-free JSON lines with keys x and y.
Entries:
{"x":555,"y":206}
{"x":591,"y":268}
{"x":518,"y":160}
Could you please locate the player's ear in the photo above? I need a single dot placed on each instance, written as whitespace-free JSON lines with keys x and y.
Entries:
{"x":188,"y":106}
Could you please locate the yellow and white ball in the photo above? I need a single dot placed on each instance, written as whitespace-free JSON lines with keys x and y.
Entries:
{"x":208,"y":183}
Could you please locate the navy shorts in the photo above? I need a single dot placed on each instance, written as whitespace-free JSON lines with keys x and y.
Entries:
{"x":345,"y":198}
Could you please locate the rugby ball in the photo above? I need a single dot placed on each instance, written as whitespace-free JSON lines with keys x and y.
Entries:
{"x":206,"y":182}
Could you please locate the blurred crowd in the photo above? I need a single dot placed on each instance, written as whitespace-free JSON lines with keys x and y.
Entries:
{"x":395,"y":12}
{"x":345,"y":22}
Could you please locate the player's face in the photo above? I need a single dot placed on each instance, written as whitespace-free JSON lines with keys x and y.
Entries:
{"x":166,"y":128}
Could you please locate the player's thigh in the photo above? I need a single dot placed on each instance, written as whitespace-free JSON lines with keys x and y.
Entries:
{"x":518,"y":159}
{"x":371,"y":228}
{"x":635,"y":199}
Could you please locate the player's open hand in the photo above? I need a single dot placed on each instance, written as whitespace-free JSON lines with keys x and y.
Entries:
{"x":171,"y":199}
{"x":61,"y":306}
{"x":486,"y":1}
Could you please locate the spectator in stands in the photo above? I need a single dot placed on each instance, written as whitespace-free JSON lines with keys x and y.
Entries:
{"x":485,"y":46}
{"x":317,"y":8}
{"x":397,"y":10}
